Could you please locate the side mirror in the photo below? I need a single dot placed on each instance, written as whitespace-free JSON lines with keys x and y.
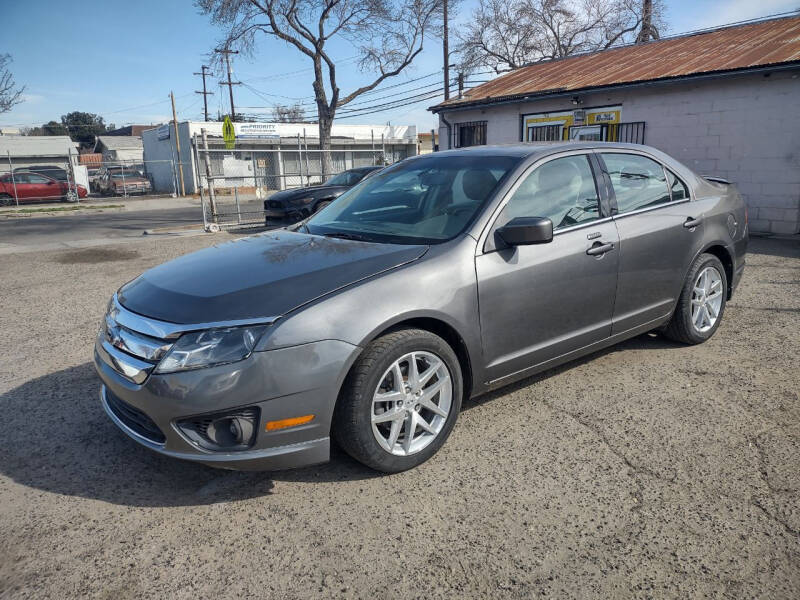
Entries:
{"x":51,"y":182}
{"x":524,"y":231}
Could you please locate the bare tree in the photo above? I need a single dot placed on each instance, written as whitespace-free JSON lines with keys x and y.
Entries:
{"x":10,"y":94}
{"x":387,"y":36}
{"x":507,"y":34}
{"x":283,"y":113}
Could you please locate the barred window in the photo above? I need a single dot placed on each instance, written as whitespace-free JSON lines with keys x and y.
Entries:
{"x":472,"y":133}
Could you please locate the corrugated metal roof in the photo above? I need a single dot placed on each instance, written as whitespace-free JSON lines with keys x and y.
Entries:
{"x":37,"y":145}
{"x":735,"y":48}
{"x":120,"y":142}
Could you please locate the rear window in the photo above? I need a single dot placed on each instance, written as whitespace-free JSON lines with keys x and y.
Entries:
{"x":638,"y":182}
{"x":677,"y":188}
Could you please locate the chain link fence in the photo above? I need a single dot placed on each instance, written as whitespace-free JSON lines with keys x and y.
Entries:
{"x":25,"y":179}
{"x":234,"y":184}
{"x":127,"y":178}
{"x":43,"y":180}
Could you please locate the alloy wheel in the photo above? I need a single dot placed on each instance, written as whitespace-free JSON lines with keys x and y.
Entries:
{"x":411,"y":403}
{"x":706,"y":299}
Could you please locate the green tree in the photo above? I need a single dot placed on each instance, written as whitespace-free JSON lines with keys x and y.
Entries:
{"x":83,"y":127}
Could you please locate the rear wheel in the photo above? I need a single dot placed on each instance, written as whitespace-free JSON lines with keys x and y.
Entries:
{"x":400,"y":401}
{"x":6,"y":200}
{"x":701,"y":303}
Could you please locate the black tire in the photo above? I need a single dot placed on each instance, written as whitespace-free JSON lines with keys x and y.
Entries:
{"x":680,"y":327}
{"x":6,"y":200}
{"x":321,"y":205}
{"x":352,"y":426}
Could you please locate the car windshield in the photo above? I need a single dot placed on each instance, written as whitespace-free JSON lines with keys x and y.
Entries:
{"x":426,"y":200}
{"x":346,"y":178}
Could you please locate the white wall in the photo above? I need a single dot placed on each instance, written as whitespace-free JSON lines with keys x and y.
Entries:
{"x":745,"y":129}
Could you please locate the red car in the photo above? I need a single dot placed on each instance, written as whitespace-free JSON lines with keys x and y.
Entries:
{"x":35,"y":186}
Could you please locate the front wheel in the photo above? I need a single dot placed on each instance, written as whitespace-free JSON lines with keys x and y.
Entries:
{"x":6,"y":200}
{"x":400,"y":401}
{"x":701,"y":303}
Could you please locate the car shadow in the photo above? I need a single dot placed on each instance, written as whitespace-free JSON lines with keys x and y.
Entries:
{"x":55,"y":437}
{"x":778,"y":247}
{"x":646,"y":341}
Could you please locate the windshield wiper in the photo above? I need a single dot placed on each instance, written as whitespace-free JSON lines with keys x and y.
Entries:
{"x":345,"y":236}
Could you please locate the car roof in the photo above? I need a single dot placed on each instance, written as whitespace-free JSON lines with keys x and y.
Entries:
{"x":523,"y":150}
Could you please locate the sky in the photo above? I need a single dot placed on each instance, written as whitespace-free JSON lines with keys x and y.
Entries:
{"x":121,"y":59}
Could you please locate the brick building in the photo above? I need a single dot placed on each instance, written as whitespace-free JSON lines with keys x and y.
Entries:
{"x":726,"y":102}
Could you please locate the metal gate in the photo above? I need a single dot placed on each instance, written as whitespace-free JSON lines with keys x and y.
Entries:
{"x":234,"y":183}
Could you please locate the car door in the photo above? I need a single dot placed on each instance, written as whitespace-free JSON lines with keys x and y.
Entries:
{"x":43,"y":187}
{"x":660,"y":231}
{"x":540,"y":302}
{"x":21,"y":183}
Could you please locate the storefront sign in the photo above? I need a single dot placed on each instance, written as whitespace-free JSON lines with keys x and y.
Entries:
{"x":256,"y":130}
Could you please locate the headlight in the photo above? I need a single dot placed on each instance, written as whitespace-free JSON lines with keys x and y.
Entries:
{"x":211,"y":347}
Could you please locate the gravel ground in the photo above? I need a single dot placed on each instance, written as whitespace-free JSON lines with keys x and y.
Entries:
{"x":650,"y":469}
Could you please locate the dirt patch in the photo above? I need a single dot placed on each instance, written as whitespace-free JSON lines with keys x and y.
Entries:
{"x":96,"y":255}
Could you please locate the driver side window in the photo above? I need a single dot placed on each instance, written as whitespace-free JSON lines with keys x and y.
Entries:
{"x":563,"y":190}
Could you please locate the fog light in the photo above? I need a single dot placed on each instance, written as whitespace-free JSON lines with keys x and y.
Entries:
{"x":231,"y":431}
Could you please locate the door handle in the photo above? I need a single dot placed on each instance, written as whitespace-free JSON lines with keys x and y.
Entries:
{"x":598,"y":249}
{"x":691,"y":222}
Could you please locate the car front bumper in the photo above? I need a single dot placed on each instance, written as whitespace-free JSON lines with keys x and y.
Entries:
{"x":280,"y":384}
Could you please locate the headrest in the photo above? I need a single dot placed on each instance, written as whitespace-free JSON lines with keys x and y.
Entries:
{"x":557,"y":174}
{"x":478,"y":184}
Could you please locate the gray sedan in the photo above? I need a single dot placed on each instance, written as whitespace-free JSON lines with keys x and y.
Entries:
{"x":438,"y":279}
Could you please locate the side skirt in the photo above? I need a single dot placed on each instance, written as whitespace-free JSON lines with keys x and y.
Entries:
{"x":569,"y":356}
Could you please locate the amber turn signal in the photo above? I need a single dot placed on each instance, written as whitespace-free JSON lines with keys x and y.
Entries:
{"x":284,"y":423}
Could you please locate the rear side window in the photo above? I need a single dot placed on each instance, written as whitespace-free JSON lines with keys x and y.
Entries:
{"x":562,"y":190}
{"x":677,"y":188}
{"x":638,"y":181}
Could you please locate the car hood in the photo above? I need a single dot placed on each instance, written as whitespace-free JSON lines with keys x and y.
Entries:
{"x":266,"y":275}
{"x":314,"y":191}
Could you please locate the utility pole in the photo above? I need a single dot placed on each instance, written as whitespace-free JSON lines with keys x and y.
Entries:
{"x":177,"y":143}
{"x":446,"y":49}
{"x":646,"y":32}
{"x":203,"y":73}
{"x":229,"y":83}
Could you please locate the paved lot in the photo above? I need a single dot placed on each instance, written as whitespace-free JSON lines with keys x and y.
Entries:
{"x":92,"y":227}
{"x":648,"y":470}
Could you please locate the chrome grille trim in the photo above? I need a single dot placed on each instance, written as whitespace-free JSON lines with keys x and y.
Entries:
{"x":126,"y":365}
{"x":171,"y":331}
{"x":141,"y":346}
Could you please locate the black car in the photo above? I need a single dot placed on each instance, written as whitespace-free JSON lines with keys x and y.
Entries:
{"x":298,"y":203}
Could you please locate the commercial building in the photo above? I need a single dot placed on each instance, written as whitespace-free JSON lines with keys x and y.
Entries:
{"x":726,"y":102}
{"x":268,"y":156}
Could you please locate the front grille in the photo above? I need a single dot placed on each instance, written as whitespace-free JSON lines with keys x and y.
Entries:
{"x":131,"y":342}
{"x":134,"y":418}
